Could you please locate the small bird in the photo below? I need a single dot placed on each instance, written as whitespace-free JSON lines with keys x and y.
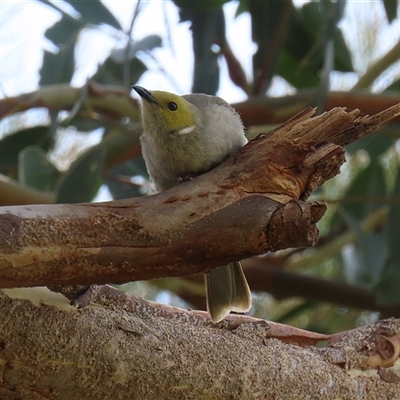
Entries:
{"x":187,"y":136}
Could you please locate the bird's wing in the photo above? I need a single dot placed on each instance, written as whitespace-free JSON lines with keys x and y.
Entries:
{"x":161,"y":182}
{"x":201,"y":100}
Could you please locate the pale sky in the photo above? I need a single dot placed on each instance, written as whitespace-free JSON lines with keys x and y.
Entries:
{"x":22,"y":24}
{"x":21,"y":47}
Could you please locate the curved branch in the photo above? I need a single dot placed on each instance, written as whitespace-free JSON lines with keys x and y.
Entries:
{"x":111,"y":101}
{"x":126,"y":347}
{"x":251,"y":204}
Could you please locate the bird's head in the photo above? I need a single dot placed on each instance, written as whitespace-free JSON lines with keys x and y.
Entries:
{"x":166,"y":113}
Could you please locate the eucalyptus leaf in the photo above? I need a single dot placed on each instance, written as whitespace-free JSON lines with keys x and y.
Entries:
{"x":84,"y":178}
{"x":95,"y":12}
{"x":146,"y":44}
{"x":62,"y":30}
{"x":242,"y":7}
{"x":12,"y":144}
{"x":200,"y":5}
{"x":308,"y":32}
{"x":375,"y":144}
{"x":364,"y":195}
{"x":269,"y":20}
{"x":57,"y":68}
{"x":394,"y":87}
{"x":301,"y":77}
{"x":388,"y":290}
{"x":112,"y":72}
{"x":391,"y":9}
{"x":124,"y":189}
{"x":369,"y":254}
{"x":393,"y":223}
{"x":83,"y":124}
{"x":208,"y":28}
{"x":36,"y":170}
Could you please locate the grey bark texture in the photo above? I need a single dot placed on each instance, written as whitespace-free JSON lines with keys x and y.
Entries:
{"x":122,"y":347}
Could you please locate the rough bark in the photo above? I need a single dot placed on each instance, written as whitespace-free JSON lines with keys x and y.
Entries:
{"x":123,"y":347}
{"x":127,"y":348}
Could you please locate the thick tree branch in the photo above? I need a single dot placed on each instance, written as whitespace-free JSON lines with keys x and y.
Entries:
{"x":126,"y":347}
{"x":252,"y":203}
{"x":107,"y":100}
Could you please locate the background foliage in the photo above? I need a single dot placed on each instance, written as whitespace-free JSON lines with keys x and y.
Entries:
{"x":353,"y":275}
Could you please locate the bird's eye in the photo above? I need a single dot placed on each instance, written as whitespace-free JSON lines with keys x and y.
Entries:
{"x":172,"y":106}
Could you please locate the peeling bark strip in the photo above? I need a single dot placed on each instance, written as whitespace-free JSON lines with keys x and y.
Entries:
{"x":252,"y":203}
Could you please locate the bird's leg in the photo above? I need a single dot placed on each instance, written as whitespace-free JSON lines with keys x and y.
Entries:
{"x":79,"y":295}
{"x":185,"y":178}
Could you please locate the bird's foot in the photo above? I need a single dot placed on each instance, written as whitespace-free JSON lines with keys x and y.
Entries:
{"x":185,"y":178}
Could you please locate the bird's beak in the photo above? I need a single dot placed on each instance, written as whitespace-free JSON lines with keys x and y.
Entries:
{"x":144,"y":94}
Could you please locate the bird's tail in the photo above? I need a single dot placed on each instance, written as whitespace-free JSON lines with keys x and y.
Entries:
{"x":227,"y":290}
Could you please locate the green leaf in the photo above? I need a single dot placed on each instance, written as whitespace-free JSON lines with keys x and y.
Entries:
{"x":121,"y":145}
{"x":57,"y":68}
{"x":124,"y":190}
{"x":358,"y":200}
{"x":62,"y":30}
{"x":393,"y":224}
{"x":36,"y":170}
{"x":388,"y":290}
{"x":375,"y":144}
{"x":95,"y":12}
{"x":208,"y":28}
{"x":391,"y":9}
{"x":365,"y":263}
{"x":309,"y":30}
{"x":394,"y":87}
{"x":206,"y":75}
{"x":269,"y":21}
{"x":200,"y":5}
{"x":242,"y":7}
{"x":302,"y":76}
{"x":319,"y":26}
{"x":112,"y":72}
{"x":367,"y":185}
{"x":12,"y":144}
{"x":296,"y":311}
{"x":92,"y":12}
{"x":148,"y":43}
{"x":82,"y":124}
{"x":84,"y":178}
